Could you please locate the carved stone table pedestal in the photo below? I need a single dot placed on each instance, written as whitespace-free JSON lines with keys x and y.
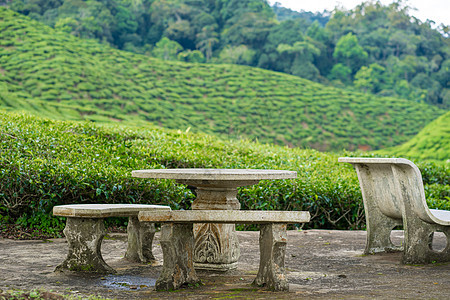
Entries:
{"x":216,"y":245}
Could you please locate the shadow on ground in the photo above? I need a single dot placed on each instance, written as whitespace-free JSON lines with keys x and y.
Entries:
{"x":321,"y":264}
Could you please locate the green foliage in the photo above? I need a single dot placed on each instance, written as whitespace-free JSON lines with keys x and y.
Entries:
{"x":401,"y":44}
{"x":310,"y":17}
{"x":341,"y":73}
{"x":369,"y":79}
{"x":240,"y":55}
{"x":43,"y":221}
{"x":166,"y":49}
{"x":55,"y":75}
{"x":302,"y":55}
{"x":371,"y":33}
{"x":206,"y":40}
{"x":191,"y":56}
{"x":349,"y":52}
{"x":45,"y":163}
{"x":67,"y":25}
{"x":431,"y":143}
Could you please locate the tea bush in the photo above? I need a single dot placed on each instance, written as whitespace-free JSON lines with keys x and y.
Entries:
{"x":432,"y":142}
{"x":45,"y":162}
{"x":47,"y":72}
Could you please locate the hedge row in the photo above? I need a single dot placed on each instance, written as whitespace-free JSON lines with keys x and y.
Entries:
{"x":45,"y":163}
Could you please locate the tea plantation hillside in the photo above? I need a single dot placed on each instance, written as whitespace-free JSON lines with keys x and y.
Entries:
{"x":432,"y":142}
{"x":45,"y":162}
{"x":59,"y":76}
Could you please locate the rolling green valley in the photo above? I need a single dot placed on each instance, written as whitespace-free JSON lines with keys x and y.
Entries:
{"x":54,"y":74}
{"x":374,"y":47}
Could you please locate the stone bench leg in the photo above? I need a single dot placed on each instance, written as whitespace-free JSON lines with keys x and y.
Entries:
{"x":418,"y":241}
{"x":140,"y":240}
{"x":379,"y":228}
{"x":84,"y":237}
{"x":272,"y":246}
{"x":379,"y":225}
{"x":177,"y":243}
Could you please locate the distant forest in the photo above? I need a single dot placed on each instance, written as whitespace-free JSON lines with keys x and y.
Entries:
{"x":373,"y":48}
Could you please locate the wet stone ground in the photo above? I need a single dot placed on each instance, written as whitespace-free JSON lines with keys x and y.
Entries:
{"x":321,"y":264}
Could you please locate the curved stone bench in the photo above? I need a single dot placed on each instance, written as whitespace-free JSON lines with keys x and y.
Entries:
{"x":85,"y":230}
{"x":177,"y":242}
{"x":393,"y":194}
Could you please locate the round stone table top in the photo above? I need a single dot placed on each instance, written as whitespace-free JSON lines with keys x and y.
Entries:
{"x":215,"y":174}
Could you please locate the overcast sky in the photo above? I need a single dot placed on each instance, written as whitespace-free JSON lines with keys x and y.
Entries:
{"x":436,"y":10}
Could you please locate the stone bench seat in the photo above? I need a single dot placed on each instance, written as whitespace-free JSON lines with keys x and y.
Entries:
{"x":439,"y":214}
{"x":393,"y":195}
{"x":85,"y":230}
{"x":177,"y":242}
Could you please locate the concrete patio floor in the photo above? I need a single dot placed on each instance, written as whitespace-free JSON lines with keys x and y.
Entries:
{"x":320,"y":264}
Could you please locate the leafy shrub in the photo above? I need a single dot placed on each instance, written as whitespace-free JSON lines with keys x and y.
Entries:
{"x":45,"y":163}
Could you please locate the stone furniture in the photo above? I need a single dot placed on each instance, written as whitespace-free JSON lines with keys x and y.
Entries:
{"x":393,"y":195}
{"x":85,"y":230}
{"x":177,"y":242}
{"x":216,"y":245}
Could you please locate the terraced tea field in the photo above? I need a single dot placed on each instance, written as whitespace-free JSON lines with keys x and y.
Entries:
{"x":59,"y":76}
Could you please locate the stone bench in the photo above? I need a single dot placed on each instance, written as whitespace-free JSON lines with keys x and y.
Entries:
{"x":393,"y":195}
{"x":177,"y":242}
{"x":85,"y":230}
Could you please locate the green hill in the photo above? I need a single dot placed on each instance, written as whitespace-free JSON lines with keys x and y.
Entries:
{"x":56,"y":75}
{"x":45,"y":162}
{"x":432,"y":142}
{"x":373,"y":47}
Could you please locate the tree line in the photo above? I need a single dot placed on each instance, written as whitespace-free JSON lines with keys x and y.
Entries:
{"x":374,"y":48}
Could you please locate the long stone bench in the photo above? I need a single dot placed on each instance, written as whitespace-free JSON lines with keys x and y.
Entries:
{"x":177,"y":242}
{"x":393,"y":195}
{"x":85,"y":230}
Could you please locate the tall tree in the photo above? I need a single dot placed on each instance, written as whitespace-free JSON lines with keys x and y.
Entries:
{"x":370,"y":79}
{"x":302,"y":54}
{"x":349,"y":52}
{"x":167,"y":49}
{"x":206,"y":40}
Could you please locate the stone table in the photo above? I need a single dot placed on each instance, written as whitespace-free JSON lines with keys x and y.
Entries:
{"x":216,"y":245}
